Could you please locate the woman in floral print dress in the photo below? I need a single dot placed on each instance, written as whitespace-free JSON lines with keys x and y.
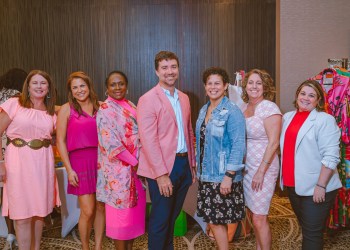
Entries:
{"x":117,"y":183}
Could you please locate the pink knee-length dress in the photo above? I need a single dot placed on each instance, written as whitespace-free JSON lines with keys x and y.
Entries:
{"x":82,"y":147}
{"x":257,"y":140}
{"x":31,"y":187}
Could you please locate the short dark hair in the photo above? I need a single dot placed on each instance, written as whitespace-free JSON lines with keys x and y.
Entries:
{"x":165,"y":55}
{"x":13,"y":79}
{"x":215,"y":71}
{"x":116,"y":72}
{"x":319,"y":92}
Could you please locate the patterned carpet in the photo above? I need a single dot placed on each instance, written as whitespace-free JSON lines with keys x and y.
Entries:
{"x":285,"y":235}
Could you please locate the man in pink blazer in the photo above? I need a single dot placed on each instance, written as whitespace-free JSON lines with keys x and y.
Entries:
{"x":167,"y":158}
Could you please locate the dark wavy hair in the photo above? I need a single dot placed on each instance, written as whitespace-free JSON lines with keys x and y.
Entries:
{"x":13,"y":79}
{"x":267,"y":83}
{"x":165,"y":55}
{"x":319,"y":92}
{"x":92,"y":94}
{"x":50,"y":100}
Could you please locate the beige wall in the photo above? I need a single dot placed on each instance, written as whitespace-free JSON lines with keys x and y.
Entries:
{"x":308,"y":33}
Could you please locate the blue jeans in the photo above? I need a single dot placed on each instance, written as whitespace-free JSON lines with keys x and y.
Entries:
{"x":312,"y":217}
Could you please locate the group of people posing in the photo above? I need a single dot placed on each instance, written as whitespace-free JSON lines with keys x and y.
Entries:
{"x":113,"y":150}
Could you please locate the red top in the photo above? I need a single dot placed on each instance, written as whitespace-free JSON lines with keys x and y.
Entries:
{"x":290,"y":140}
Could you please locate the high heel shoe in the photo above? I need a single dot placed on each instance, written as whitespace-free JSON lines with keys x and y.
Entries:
{"x":10,"y":241}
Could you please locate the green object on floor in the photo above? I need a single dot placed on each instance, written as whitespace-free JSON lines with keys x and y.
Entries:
{"x":180,"y":228}
{"x":181,"y":224}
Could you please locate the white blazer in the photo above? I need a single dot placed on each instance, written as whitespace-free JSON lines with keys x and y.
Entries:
{"x":317,"y":144}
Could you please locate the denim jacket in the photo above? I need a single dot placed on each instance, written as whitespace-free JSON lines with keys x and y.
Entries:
{"x":225,"y":142}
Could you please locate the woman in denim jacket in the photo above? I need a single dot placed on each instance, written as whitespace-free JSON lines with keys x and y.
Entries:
{"x":220,"y":133}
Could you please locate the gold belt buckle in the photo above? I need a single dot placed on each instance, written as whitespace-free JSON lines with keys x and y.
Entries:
{"x":35,"y":144}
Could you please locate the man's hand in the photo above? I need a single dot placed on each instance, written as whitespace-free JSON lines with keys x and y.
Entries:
{"x":165,"y":186}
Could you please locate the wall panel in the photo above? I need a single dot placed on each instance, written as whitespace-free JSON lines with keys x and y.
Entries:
{"x":99,"y":36}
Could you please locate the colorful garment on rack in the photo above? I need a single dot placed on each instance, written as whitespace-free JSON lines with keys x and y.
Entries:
{"x":336,"y":87}
{"x":337,"y":99}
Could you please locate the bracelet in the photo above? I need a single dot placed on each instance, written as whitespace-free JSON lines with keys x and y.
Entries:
{"x":321,"y":186}
{"x":2,"y":161}
{"x":267,"y":163}
{"x":230,"y":175}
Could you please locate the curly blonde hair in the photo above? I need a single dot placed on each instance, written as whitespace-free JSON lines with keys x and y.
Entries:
{"x":267,"y":82}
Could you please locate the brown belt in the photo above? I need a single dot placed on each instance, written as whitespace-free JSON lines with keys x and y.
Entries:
{"x":182,"y":154}
{"x":33,"y":144}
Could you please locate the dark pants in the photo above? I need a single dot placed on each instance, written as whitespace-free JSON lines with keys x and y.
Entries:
{"x":312,"y":217}
{"x":166,"y":209}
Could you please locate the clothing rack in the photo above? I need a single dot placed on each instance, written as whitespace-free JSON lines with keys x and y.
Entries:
{"x":335,"y":81}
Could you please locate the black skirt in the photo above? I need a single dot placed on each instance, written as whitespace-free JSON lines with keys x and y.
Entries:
{"x":216,"y":208}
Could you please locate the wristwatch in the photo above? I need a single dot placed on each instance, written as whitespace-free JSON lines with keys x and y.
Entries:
{"x":228,"y":174}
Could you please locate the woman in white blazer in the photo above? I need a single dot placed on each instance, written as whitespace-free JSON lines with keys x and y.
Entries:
{"x":310,"y":155}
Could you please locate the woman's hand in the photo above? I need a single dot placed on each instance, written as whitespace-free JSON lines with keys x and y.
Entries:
{"x":257,"y":181}
{"x":319,"y":194}
{"x":73,"y":178}
{"x":2,"y":171}
{"x":225,"y":186}
{"x":194,"y":174}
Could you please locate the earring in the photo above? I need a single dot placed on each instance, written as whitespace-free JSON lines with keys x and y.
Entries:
{"x":106,"y":93}
{"x":127,"y":91}
{"x":48,"y":96}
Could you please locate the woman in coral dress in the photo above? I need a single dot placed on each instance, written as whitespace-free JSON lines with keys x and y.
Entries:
{"x":263,"y":122}
{"x":118,"y":186}
{"x":30,"y":188}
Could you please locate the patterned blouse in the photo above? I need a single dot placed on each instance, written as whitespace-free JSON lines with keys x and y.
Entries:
{"x":117,"y":131}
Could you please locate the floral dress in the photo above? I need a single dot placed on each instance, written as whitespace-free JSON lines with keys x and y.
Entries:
{"x":118,"y":186}
{"x":214,"y":207}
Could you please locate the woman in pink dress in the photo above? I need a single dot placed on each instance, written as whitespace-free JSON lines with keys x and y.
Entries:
{"x":118,"y":186}
{"x":263,"y":122}
{"x":77,"y":144}
{"x":30,"y":188}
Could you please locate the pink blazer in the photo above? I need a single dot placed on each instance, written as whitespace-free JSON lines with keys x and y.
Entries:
{"x":158,"y":132}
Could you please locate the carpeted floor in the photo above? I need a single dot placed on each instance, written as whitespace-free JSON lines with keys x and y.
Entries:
{"x":285,"y":235}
